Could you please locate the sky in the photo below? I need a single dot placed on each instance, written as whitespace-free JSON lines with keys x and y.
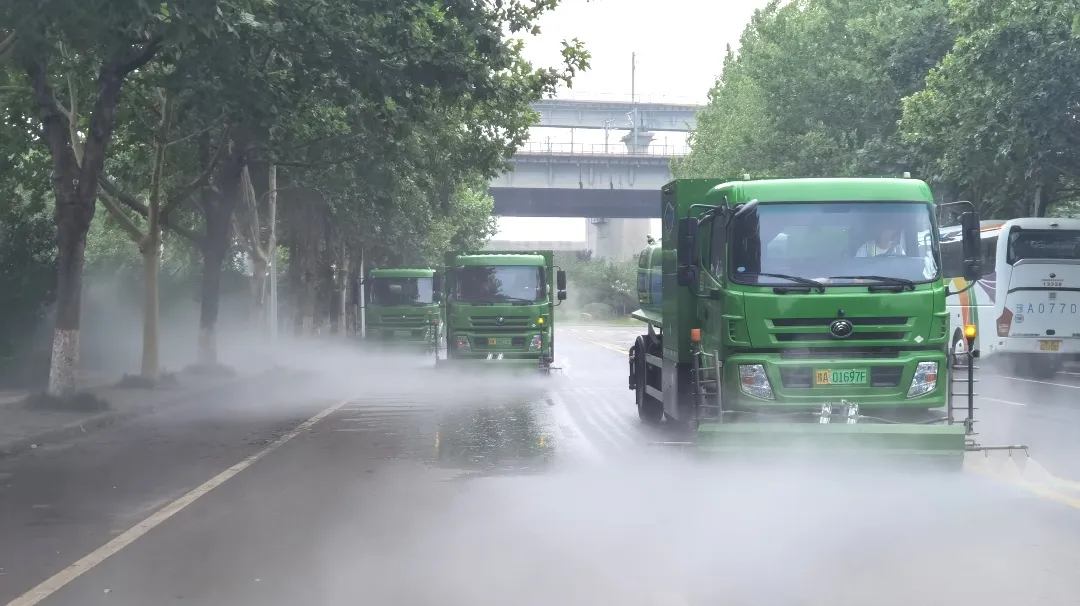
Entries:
{"x":679,"y":46}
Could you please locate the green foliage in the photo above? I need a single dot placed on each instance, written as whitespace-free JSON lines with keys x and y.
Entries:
{"x":816,"y":90}
{"x":595,"y":283}
{"x":975,"y":96}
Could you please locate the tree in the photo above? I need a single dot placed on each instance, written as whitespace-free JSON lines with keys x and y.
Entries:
{"x":816,"y":90}
{"x":997,"y":117}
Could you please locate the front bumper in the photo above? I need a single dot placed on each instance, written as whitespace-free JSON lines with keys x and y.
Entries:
{"x":793,"y":382}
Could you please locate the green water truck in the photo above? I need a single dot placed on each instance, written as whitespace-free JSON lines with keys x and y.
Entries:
{"x":500,"y":307}
{"x":401,"y":309}
{"x":770,"y":328}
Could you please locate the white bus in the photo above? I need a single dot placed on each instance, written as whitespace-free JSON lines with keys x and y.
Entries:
{"x":1026,"y":306}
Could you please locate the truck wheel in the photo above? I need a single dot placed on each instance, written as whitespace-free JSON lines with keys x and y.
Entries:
{"x":650,"y":410}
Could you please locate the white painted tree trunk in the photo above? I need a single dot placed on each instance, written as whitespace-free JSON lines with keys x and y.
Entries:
{"x":65,"y":362}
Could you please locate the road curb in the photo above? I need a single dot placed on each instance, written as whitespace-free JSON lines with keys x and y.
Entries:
{"x":108,"y":418}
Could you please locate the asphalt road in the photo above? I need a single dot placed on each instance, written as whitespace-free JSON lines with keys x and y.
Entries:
{"x":392,"y":483}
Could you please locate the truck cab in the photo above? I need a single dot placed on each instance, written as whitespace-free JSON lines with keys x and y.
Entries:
{"x":501,"y":306}
{"x":401,"y":308}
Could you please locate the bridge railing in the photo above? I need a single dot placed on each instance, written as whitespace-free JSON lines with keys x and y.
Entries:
{"x":574,"y":95}
{"x":535,"y":148}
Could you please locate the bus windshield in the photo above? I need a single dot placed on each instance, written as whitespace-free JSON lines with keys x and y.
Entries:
{"x":834,"y":243}
{"x":500,"y":283}
{"x":402,"y":291}
{"x":1052,"y":244}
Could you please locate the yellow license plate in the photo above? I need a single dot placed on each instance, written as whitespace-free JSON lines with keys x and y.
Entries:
{"x":1049,"y":345}
{"x":491,"y":341}
{"x":831,"y":376}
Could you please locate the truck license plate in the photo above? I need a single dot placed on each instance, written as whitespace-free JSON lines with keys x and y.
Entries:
{"x":839,"y":377}
{"x":1049,"y":345}
{"x":402,"y":333}
{"x":494,"y":341}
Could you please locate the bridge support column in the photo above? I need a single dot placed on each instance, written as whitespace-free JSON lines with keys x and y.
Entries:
{"x":638,"y":142}
{"x":617,"y":239}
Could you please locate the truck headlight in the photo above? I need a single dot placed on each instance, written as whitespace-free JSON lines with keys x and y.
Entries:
{"x":534,"y":344}
{"x":925,"y":379}
{"x":754,"y":381}
{"x":463,"y":344}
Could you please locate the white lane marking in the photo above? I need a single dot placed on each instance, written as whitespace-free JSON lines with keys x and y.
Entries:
{"x":99,"y":555}
{"x":1039,"y":382}
{"x":1001,"y":401}
{"x":563,"y":418}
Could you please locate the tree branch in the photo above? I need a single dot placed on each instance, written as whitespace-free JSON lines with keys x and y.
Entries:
{"x":118,"y":213}
{"x":139,"y":57}
{"x":175,"y":200}
{"x":134,"y":204}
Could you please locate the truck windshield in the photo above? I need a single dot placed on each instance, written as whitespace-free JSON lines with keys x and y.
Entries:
{"x":500,"y":283}
{"x":1054,"y":244}
{"x":821,"y":241}
{"x":402,"y":291}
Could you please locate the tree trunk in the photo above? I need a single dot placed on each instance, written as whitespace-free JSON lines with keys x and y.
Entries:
{"x":75,"y":188}
{"x":151,"y":365}
{"x":258,"y":293}
{"x":343,"y":293}
{"x":217,"y":244}
{"x":71,"y":244}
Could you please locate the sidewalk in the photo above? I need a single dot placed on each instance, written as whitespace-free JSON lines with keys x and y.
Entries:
{"x":23,"y":427}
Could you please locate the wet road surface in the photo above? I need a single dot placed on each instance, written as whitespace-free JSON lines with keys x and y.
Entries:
{"x":456,"y":489}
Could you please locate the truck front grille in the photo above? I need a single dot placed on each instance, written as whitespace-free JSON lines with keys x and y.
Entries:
{"x":877,"y":328}
{"x":488,"y":324}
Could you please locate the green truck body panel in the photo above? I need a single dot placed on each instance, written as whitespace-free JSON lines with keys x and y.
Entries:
{"x":501,"y":331}
{"x":788,"y":332}
{"x":408,"y":326}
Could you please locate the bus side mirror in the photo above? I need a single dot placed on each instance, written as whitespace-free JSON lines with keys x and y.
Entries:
{"x":972,"y":244}
{"x":560,"y":280}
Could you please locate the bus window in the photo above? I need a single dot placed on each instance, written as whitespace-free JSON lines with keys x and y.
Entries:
{"x":952,"y":259}
{"x":1042,"y":244}
{"x":989,"y":256}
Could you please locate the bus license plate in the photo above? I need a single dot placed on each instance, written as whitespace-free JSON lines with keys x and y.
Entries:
{"x":1049,"y":345}
{"x":839,"y":377}
{"x":494,"y":341}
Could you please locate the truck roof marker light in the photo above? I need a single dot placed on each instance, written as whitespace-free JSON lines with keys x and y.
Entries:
{"x":695,"y":335}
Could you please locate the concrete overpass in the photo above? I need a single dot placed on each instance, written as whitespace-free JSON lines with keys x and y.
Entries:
{"x":655,"y":117}
{"x":556,"y":245}
{"x":584,"y":180}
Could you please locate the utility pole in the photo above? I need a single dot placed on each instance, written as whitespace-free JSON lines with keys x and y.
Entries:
{"x":272,"y":248}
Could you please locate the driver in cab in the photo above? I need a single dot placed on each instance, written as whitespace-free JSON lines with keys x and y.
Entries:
{"x":887,"y":242}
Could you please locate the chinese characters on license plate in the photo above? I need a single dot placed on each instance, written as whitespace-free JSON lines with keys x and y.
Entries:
{"x":830,"y":376}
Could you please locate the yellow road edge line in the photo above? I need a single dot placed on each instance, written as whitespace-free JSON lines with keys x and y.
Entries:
{"x":1046,"y":493}
{"x":99,"y":555}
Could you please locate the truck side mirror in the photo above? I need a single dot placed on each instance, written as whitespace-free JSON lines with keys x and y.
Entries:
{"x":436,"y":284}
{"x":436,"y":297}
{"x":561,"y":295}
{"x":687,"y":252}
{"x":972,"y":244}
{"x":560,"y":280}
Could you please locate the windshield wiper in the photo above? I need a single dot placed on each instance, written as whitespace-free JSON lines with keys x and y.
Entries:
{"x":903,"y":282}
{"x":807,"y":281}
{"x":516,"y":300}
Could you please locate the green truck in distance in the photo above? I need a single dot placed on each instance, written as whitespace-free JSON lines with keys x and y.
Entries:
{"x":795,"y":313}
{"x":500,"y":305}
{"x":401,"y":308}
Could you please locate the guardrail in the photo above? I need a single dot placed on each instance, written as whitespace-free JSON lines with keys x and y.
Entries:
{"x":573,"y":95}
{"x":600,"y":149}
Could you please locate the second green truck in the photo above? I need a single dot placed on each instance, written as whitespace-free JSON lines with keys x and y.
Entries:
{"x":500,"y":306}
